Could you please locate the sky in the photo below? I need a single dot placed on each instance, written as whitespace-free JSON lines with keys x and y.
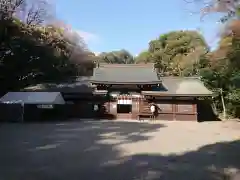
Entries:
{"x":130,"y":24}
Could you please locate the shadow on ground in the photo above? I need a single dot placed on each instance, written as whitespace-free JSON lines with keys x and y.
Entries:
{"x":213,"y":162}
{"x":90,"y":150}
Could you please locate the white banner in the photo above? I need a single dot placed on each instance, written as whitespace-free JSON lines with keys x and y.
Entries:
{"x":129,"y":102}
{"x":125,"y":101}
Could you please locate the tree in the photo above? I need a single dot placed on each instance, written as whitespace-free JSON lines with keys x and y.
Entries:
{"x":222,"y":72}
{"x":30,"y":12}
{"x":31,"y":53}
{"x":228,"y":9}
{"x":77,"y":51}
{"x":116,"y":57}
{"x":143,"y":57}
{"x":176,"y":51}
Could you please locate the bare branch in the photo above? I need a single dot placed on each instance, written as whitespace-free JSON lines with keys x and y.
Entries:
{"x":8,"y":7}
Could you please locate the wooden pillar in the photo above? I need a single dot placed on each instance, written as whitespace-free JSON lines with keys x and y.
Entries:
{"x":174,"y":109}
{"x":134,"y":107}
{"x":138,"y":103}
{"x":195,"y":111}
{"x":194,"y":107}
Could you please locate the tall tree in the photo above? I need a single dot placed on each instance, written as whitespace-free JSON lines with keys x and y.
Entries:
{"x":176,"y":51}
{"x":116,"y":57}
{"x":222,"y":74}
{"x":32,"y":53}
{"x":143,"y":57}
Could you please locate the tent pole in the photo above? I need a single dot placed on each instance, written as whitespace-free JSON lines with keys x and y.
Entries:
{"x":22,"y":103}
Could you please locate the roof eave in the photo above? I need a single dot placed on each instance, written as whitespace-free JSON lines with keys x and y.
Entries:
{"x":119,"y":82}
{"x":176,"y":95}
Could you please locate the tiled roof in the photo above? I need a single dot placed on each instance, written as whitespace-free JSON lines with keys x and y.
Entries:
{"x":189,"y":86}
{"x":81,"y":86}
{"x":125,"y":74}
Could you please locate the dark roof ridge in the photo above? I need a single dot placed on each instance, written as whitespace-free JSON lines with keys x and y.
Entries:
{"x":124,"y":82}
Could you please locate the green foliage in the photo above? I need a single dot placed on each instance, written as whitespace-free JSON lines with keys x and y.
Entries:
{"x":31,"y":54}
{"x":185,"y":53}
{"x":143,"y":57}
{"x":233,"y":99}
{"x":177,"y":53}
{"x":116,"y":57}
{"x":223,"y":72}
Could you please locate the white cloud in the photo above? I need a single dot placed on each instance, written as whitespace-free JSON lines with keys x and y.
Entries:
{"x":87,"y":36}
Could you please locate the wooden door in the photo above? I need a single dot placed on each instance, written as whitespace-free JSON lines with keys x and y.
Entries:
{"x":122,"y":111}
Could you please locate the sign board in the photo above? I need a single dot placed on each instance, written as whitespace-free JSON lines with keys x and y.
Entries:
{"x":95,"y":108}
{"x":45,"y":106}
{"x":69,"y":102}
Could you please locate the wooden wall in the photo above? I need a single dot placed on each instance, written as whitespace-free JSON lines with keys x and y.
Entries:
{"x":182,"y":109}
{"x":168,"y":109}
{"x":112,"y":109}
{"x":135,"y":108}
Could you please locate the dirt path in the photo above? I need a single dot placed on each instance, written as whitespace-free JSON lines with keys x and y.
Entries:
{"x":181,"y":137}
{"x":119,"y":150}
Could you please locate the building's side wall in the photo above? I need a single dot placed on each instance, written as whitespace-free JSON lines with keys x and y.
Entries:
{"x":186,"y":110}
{"x":112,"y":108}
{"x":166,"y":109}
{"x":170,"y":108}
{"x":176,"y":109}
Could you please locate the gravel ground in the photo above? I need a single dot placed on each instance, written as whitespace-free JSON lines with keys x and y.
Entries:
{"x":119,"y":150}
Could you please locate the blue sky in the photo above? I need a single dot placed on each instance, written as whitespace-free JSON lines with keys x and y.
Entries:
{"x":130,"y":24}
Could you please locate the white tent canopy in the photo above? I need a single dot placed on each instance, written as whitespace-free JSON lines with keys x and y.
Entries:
{"x":33,"y":98}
